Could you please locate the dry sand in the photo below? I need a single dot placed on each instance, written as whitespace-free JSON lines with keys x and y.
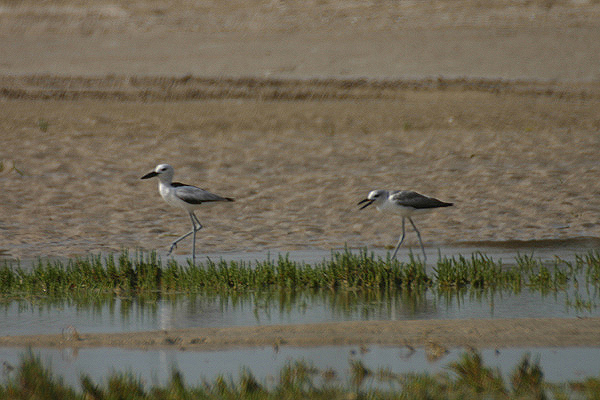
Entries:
{"x":91,"y":98}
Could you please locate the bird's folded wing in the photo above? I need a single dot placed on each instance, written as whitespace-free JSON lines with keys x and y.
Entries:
{"x":408,"y":198}
{"x":195,"y":195}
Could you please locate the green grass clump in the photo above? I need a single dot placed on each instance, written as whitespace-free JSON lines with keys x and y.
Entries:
{"x":35,"y":381}
{"x":479,"y":271}
{"x":545,"y":278}
{"x":146,"y":273}
{"x":474,"y":376}
{"x":468,"y":377}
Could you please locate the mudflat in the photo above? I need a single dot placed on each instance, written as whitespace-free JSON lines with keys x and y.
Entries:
{"x":518,"y":166}
{"x":434,"y":334}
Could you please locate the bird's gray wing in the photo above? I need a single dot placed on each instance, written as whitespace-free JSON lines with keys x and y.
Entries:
{"x":195,"y":195}
{"x":409,"y":198}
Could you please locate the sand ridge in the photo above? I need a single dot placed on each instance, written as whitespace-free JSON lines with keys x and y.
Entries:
{"x":477,"y":333}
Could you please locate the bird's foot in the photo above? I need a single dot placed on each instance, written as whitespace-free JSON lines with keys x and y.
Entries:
{"x":173,"y":247}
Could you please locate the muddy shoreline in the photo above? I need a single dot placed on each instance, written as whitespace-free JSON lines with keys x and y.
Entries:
{"x":479,"y":333}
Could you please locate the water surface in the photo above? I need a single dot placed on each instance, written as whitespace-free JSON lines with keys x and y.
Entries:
{"x":155,"y":366}
{"x":125,"y":314}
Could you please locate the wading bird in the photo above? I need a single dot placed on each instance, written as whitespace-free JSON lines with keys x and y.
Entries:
{"x":184,"y":196}
{"x":403,"y":202}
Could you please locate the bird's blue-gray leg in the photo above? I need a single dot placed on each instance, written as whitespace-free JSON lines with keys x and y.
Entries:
{"x":419,"y":236}
{"x":193,"y":239}
{"x":399,"y":241}
{"x":199,"y":225}
{"x":195,"y":228}
{"x":179,"y":239}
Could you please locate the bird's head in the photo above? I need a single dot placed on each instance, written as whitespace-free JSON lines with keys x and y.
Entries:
{"x":163,"y":171}
{"x":375,"y":197}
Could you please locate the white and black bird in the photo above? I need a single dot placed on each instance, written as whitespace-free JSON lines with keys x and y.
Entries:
{"x":184,"y":196}
{"x":403,"y":202}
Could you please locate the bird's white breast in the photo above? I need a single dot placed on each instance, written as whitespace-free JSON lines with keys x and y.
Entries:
{"x":392,"y":207}
{"x":168,"y":194}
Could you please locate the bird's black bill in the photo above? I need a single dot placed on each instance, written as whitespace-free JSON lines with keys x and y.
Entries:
{"x":367,"y":202}
{"x":149,"y":175}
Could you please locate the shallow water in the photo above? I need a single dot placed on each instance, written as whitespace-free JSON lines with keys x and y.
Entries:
{"x":154,"y":367}
{"x":175,"y":312}
{"x":506,"y":251}
{"x":36,"y":316}
{"x":108,"y":314}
